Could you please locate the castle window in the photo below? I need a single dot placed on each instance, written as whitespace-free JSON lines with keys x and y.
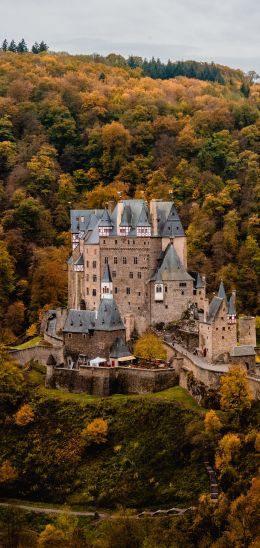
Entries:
{"x":158,"y":289}
{"x":139,"y":294}
{"x":87,"y":264}
{"x":124,"y":260}
{"x":113,"y":274}
{"x":84,"y":335}
{"x":106,"y":260}
{"x":223,"y":337}
{"x":182,"y":284}
{"x":94,"y":292}
{"x":165,"y":289}
{"x":135,"y":260}
{"x":115,"y":241}
{"x":223,"y":328}
{"x":115,"y":290}
{"x":139,"y":275}
{"x":115,"y":260}
{"x":69,"y":335}
{"x":199,"y":292}
{"x":82,"y":219}
{"x":87,"y":291}
{"x":94,"y":278}
{"x":104,"y":241}
{"x":131,"y":275}
{"x":182,"y":292}
{"x":128,"y":291}
{"x":87,"y":278}
{"x":166,"y":306}
{"x":101,"y":345}
{"x":94,"y":264}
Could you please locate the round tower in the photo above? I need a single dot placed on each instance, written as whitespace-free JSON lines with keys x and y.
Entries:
{"x":247,"y":330}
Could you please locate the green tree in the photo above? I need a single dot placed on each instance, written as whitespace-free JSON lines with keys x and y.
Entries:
{"x":11,"y":383}
{"x":7,"y":277}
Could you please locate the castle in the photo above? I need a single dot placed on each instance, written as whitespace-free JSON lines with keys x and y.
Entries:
{"x":138,"y":256}
{"x":128,"y":273}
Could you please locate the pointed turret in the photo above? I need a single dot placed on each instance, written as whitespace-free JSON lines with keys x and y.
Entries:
{"x":105,"y":224}
{"x":143,"y":225}
{"x":221,"y":291}
{"x":107,"y":284}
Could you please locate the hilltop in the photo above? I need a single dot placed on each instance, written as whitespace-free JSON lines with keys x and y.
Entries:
{"x":77,"y":131}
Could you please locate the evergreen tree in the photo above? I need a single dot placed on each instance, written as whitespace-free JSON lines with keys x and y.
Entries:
{"x":35,"y":48}
{"x":22,"y":46}
{"x":12,"y":46}
{"x":43,"y":46}
{"x":4,"y":46}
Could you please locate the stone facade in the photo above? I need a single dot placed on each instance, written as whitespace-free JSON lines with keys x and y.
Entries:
{"x":247,"y":330}
{"x":97,"y":343}
{"x":133,"y":240}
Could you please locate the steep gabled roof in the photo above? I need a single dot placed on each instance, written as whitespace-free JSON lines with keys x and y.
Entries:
{"x":173,"y":226}
{"x":108,"y":318}
{"x":107,"y":275}
{"x":171,"y":267}
{"x":143,"y":218}
{"x":105,"y":219}
{"x":126,"y":216}
{"x":199,"y":283}
{"x":79,"y":321}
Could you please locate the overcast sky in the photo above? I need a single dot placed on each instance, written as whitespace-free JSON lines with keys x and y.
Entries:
{"x":225,"y":31}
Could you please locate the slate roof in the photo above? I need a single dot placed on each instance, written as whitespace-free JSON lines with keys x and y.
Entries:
{"x":126,"y":219}
{"x":79,"y":321}
{"x":221,"y":291}
{"x":107,"y":275}
{"x":170,"y":267}
{"x":214,"y":308}
{"x":79,"y":261}
{"x":119,"y":349}
{"x":109,"y":318}
{"x":80,"y":218}
{"x":199,"y":283}
{"x":105,"y":219}
{"x":231,"y":307}
{"x":143,"y":218}
{"x":173,"y":226}
{"x":243,"y":350}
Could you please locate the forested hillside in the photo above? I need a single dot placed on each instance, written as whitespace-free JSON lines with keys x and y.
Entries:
{"x":77,"y":132}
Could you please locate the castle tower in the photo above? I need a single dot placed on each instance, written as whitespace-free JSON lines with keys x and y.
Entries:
{"x":247,"y":331}
{"x":107,"y":284}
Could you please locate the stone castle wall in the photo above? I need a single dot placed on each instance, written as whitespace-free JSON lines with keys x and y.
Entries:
{"x":40,"y":353}
{"x":97,"y":344}
{"x":247,"y":330}
{"x":105,"y":381}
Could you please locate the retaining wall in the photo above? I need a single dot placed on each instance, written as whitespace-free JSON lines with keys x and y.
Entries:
{"x":104,"y":381}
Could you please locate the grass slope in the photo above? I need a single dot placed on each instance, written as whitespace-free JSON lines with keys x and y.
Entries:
{"x":148,"y":460}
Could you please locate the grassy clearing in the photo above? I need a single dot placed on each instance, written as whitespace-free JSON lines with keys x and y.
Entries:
{"x":175,"y":394}
{"x":29,"y":344}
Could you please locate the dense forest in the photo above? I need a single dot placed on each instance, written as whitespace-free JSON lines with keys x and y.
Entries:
{"x":75,"y":131}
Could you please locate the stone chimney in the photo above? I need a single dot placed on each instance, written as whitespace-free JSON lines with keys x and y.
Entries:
{"x":153,"y":212}
{"x":120,"y":209}
{"x":110,"y":206}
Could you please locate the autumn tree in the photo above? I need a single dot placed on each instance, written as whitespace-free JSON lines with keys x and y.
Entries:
{"x":228,"y":450}
{"x":7,"y":277}
{"x":96,"y":431}
{"x":24,"y":415}
{"x":11,"y":382}
{"x":212,"y":425}
{"x":8,"y":472}
{"x":235,"y":395}
{"x":150,"y":347}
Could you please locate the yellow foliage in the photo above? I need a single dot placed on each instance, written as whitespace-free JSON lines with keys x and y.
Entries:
{"x":234,"y":391}
{"x":32,"y":330}
{"x":96,"y":431}
{"x":7,"y":472}
{"x":24,"y":415}
{"x":228,"y":449}
{"x":212,"y":423}
{"x":51,"y":537}
{"x":150,"y":347}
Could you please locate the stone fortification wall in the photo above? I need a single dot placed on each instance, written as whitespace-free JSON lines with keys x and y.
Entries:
{"x":40,"y":353}
{"x":104,"y":381}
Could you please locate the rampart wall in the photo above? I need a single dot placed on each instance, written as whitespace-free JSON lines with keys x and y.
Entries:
{"x":40,"y":353}
{"x":105,"y":381}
